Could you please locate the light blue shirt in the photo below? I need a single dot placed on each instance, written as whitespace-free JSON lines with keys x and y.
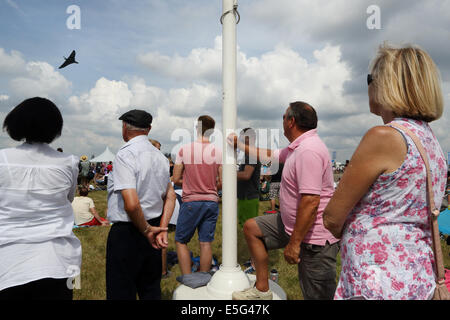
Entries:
{"x":138,"y":165}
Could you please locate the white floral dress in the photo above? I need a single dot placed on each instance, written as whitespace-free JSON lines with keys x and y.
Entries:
{"x":386,"y":244}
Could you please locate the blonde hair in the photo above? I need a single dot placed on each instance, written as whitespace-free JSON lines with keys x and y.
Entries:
{"x":407,"y":82}
{"x":155,"y":142}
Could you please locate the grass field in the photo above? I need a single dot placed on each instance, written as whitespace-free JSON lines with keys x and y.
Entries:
{"x":93,"y":242}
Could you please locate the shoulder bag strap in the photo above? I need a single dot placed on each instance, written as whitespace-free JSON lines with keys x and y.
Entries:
{"x":434,"y":212}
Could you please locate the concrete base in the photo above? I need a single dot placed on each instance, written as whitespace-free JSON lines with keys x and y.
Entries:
{"x":221,"y":286}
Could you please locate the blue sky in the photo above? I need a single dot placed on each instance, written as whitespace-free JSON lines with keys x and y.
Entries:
{"x":165,"y":56}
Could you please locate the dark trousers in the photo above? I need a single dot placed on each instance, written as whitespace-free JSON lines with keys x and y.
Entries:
{"x":42,"y":289}
{"x":133,"y":266}
{"x":317,"y":271}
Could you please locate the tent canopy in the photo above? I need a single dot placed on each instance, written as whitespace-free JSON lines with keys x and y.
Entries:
{"x":106,"y":156}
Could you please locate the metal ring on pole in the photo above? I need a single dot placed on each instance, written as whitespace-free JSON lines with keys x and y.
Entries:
{"x":236,"y":13}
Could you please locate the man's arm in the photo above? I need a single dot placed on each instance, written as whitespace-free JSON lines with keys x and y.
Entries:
{"x":168,"y":207}
{"x":246,"y":174}
{"x":133,"y":208}
{"x":262,"y":155}
{"x":177,"y":176}
{"x":306,"y":215}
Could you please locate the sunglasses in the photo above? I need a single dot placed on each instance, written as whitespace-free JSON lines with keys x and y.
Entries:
{"x":369,"y":79}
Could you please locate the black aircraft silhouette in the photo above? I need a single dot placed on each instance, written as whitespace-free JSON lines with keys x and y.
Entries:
{"x":69,"y":60}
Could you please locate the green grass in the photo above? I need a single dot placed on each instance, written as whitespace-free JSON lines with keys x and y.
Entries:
{"x":93,"y":242}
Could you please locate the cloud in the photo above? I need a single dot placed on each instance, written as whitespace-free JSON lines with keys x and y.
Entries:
{"x":26,"y":79}
{"x":4,"y":97}
{"x":40,"y":79}
{"x":96,"y":112}
{"x":202,"y":64}
{"x":266,"y":85}
{"x":315,"y":51}
{"x":12,"y":63}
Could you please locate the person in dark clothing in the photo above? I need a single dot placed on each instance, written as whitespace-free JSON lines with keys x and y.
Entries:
{"x":248,"y":181}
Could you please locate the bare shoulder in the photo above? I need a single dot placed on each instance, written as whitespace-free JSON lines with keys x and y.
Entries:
{"x":385,"y":146}
{"x":384,"y":137}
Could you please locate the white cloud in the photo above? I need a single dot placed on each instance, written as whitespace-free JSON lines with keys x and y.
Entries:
{"x":316,"y":51}
{"x":94,"y":115}
{"x":266,"y":84}
{"x":269,"y":81}
{"x":40,"y":79}
{"x":200,"y":64}
{"x":281,"y":76}
{"x":102,"y":101}
{"x":4,"y":97}
{"x":12,"y":63}
{"x":26,"y":79}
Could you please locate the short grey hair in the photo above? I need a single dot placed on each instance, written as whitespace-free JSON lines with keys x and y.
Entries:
{"x":134,"y":128}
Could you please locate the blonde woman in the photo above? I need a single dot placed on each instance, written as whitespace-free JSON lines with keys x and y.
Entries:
{"x":379,"y":209}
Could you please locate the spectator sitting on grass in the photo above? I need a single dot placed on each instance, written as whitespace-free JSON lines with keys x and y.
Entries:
{"x":84,"y":210}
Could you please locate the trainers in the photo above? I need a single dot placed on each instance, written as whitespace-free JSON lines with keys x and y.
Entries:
{"x":270,"y":211}
{"x":252,"y":294}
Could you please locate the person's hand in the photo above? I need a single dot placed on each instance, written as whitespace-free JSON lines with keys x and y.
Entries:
{"x":105,"y":222}
{"x":162,"y":240}
{"x":233,"y":140}
{"x":152,"y":234}
{"x":292,"y":253}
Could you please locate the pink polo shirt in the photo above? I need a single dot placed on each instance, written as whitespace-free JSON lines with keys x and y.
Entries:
{"x":307,"y":169}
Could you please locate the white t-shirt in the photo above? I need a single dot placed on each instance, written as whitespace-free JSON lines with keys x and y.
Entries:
{"x":81,"y":209}
{"x":138,"y":165}
{"x":37,"y":186}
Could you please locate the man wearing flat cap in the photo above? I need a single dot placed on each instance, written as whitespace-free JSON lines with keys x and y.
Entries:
{"x":141,"y":200}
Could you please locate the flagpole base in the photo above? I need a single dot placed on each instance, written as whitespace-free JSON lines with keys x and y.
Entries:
{"x":222,"y":284}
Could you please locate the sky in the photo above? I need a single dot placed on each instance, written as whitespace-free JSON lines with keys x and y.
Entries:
{"x":165,"y":56}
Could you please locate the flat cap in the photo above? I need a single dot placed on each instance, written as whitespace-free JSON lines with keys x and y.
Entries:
{"x":137,"y":118}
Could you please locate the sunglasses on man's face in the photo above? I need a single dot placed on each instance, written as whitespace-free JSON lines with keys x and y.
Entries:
{"x":369,"y":79}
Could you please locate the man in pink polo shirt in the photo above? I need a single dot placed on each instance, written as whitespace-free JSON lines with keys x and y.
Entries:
{"x":305,"y":189}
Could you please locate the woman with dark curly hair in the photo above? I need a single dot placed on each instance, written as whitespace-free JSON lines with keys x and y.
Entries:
{"x":39,"y":252}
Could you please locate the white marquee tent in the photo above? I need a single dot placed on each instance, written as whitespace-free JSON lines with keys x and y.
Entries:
{"x":106,"y":156}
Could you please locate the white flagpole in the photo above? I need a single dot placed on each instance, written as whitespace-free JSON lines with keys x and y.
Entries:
{"x":229,"y":188}
{"x":229,"y":277}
